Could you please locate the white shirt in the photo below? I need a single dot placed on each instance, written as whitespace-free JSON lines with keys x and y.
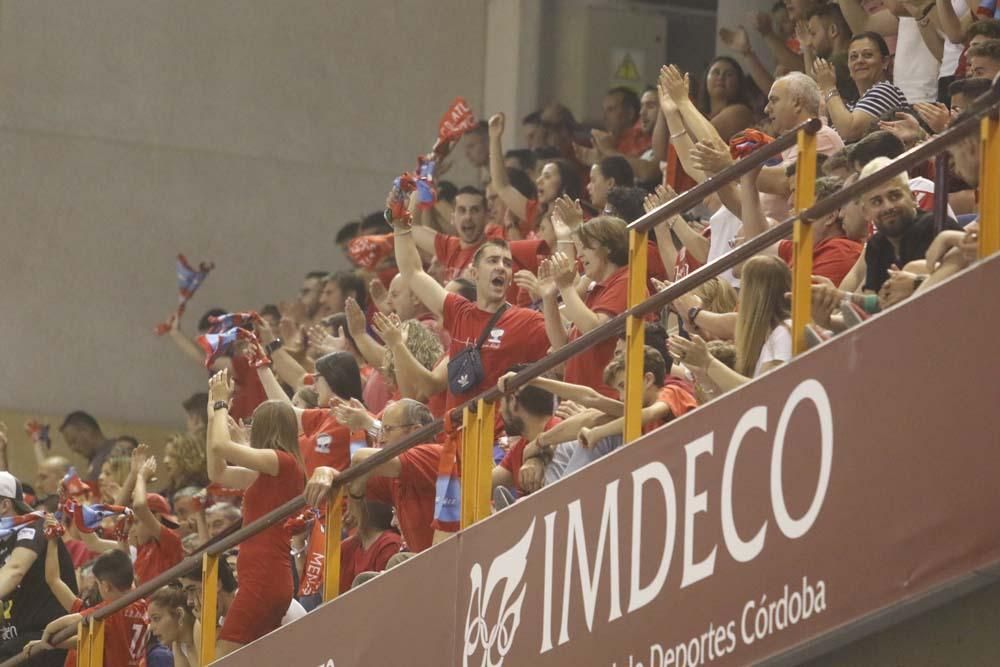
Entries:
{"x":777,"y":347}
{"x":725,"y":228}
{"x":922,"y":188}
{"x":915,"y":69}
{"x":952,"y":51}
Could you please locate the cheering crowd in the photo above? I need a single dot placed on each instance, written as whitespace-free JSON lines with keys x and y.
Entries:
{"x":455,"y":288}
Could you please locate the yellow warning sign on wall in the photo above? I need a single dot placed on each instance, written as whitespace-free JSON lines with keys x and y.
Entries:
{"x":627,"y":67}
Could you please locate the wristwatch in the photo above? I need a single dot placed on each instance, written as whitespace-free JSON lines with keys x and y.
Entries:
{"x":692,"y":314}
{"x":219,"y":405}
{"x":274,"y":345}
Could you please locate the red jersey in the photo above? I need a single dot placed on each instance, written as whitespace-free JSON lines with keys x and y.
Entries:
{"x":526,"y":255}
{"x":587,"y":367}
{"x":412,"y":494}
{"x":634,"y":142}
{"x":676,"y":396}
{"x":248,"y":391}
{"x":125,"y":635}
{"x":324,"y":441}
{"x":514,"y":458}
{"x":158,"y":556}
{"x":266,"y":554}
{"x":452,"y":254}
{"x":517,"y":337}
{"x":355,"y":559}
{"x":833,"y":258}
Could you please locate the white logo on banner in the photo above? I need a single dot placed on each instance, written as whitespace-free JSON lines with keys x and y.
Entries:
{"x":495,"y":641}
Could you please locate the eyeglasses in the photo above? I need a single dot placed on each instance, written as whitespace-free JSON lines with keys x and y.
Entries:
{"x":389,"y":428}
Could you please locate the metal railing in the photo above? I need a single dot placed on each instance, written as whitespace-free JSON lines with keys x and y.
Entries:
{"x":478,"y":412}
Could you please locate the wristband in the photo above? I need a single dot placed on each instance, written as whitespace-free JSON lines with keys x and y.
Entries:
{"x":692,"y":314}
{"x":273,"y":346}
{"x":870,"y":303}
{"x":219,"y":405}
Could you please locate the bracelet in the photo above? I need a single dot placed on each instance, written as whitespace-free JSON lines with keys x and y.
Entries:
{"x":273,"y":346}
{"x":830,"y":94}
{"x":396,"y":232}
{"x":679,"y":134}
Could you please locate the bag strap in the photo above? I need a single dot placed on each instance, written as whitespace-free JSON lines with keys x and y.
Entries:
{"x":489,"y":325}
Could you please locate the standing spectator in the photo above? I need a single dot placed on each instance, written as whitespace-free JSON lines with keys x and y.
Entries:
{"x":622,"y":122}
{"x":154,"y":533}
{"x":308,"y":306}
{"x":724,"y":99}
{"x":269,"y":467}
{"x":29,"y":604}
{"x":830,"y":39}
{"x":476,"y":143}
{"x":83,"y":435}
{"x":868,"y":58}
{"x":984,"y":59}
{"x":606,"y":174}
{"x":454,"y":252}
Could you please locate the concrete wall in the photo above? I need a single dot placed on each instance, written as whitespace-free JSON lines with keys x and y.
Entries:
{"x":241,"y":132}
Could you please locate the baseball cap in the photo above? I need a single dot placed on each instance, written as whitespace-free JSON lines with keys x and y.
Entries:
{"x":10,"y":487}
{"x":159,"y":506}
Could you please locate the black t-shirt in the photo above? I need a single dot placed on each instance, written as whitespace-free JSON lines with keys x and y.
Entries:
{"x":32,"y":605}
{"x":880,"y":254}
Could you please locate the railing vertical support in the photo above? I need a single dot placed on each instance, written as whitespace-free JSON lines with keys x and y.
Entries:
{"x":209,"y":605}
{"x":96,"y":642}
{"x":802,"y":240}
{"x":635,"y":335}
{"x":989,"y":185}
{"x":484,"y":471}
{"x":83,"y":644}
{"x":331,"y":550}
{"x":470,"y":464}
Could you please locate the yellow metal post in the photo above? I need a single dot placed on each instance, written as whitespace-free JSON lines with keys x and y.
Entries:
{"x":484,"y":471}
{"x":331,"y":557}
{"x":209,"y":605}
{"x":635,"y":335}
{"x":802,"y":240}
{"x":470,"y":464}
{"x":989,"y":186}
{"x":96,"y":643}
{"x":83,"y":644}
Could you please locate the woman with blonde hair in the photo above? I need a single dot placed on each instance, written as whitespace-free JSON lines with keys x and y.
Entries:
{"x":763,"y":335}
{"x":270,"y":468}
{"x":184,"y":462}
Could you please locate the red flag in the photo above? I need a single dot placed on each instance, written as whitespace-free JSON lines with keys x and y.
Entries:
{"x":456,"y":121}
{"x":368,"y":251}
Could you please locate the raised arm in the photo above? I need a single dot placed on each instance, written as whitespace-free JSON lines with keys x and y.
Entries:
{"x":143,"y":514}
{"x":413,"y":380}
{"x":883,"y":21}
{"x":357,"y":326}
{"x":775,"y":44}
{"x":739,"y":41}
{"x":588,"y":397}
{"x":287,"y":368}
{"x":951,"y":24}
{"x":672,"y":125}
{"x":60,"y":590}
{"x":512,"y":199}
{"x":851,"y":125}
{"x":426,"y":288}
{"x":221,"y":449}
{"x":574,"y":308}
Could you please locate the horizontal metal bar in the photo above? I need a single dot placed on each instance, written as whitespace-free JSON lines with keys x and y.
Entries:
{"x":687,"y":200}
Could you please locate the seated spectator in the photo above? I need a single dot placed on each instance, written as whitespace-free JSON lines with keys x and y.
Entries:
{"x":172,"y":621}
{"x":763,"y":334}
{"x":25,"y":558}
{"x":868,"y":58}
{"x":964,"y":91}
{"x":114,"y":472}
{"x":184,"y":463}
{"x":406,"y":482}
{"x":220,"y":516}
{"x":606,"y":174}
{"x":984,"y":59}
{"x":372,"y":545}
{"x":476,"y":144}
{"x":270,"y":468}
{"x":526,"y":413}
{"x":338,"y":288}
{"x":125,"y":631}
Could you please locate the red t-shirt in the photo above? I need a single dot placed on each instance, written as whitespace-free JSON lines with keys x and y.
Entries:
{"x":634,"y":142}
{"x":518,"y":337}
{"x":158,"y":556}
{"x":676,"y":396}
{"x":514,"y":458}
{"x":355,"y":559}
{"x":587,"y":367}
{"x":265,"y":555}
{"x":248,"y":391}
{"x":833,"y":258}
{"x":412,"y":494}
{"x":79,"y":552}
{"x":527,"y":255}
{"x":125,"y":634}
{"x":452,"y":255}
{"x":324,"y":441}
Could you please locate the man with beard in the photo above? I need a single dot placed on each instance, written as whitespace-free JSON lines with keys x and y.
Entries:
{"x":454,"y":253}
{"x":526,"y":413}
{"x":904,"y":233}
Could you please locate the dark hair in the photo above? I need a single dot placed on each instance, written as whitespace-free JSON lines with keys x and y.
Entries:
{"x":618,"y":168}
{"x":378,"y":515}
{"x":81,"y":419}
{"x":876,"y":39}
{"x":347,"y":232}
{"x":655,"y":336}
{"x":270,"y":310}
{"x":626,"y":202}
{"x":131,"y":439}
{"x":837,"y":160}
{"x":374,"y":223}
{"x":524,"y":156}
{"x":832,"y":13}
{"x":114,"y":567}
{"x":533,"y":118}
{"x":534,"y":400}
{"x":521,"y":182}
{"x":652,"y":362}
{"x":629,"y":99}
{"x":546,"y":153}
{"x":569,"y":177}
{"x":971,"y":88}
{"x":606,"y":232}
{"x":821,"y":159}
{"x":876,"y":144}
{"x":481,"y":128}
{"x":350,"y":282}
{"x":467,"y":289}
{"x":742,"y":95}
{"x":446,"y":191}
{"x":205,"y":321}
{"x":989,"y":28}
{"x":988,"y":49}
{"x":341,"y":372}
{"x":312,"y":275}
{"x":196,"y":403}
{"x":227,"y":580}
{"x":489,"y":243}
{"x":471,"y":190}
{"x":827,"y":185}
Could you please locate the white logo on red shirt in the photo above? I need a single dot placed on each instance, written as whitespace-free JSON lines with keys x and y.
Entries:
{"x":323,"y":441}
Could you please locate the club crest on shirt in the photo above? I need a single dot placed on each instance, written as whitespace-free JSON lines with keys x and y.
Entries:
{"x":494,"y":339}
{"x":323,"y":441}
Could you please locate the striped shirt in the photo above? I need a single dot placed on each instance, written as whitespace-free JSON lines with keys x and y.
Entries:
{"x":881,"y":97}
